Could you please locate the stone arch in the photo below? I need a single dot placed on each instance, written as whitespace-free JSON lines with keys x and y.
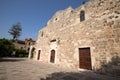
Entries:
{"x":32,"y":52}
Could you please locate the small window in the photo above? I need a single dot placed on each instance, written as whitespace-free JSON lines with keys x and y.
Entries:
{"x":29,"y":43}
{"x":82,"y":15}
{"x":56,"y":19}
{"x":28,"y":49}
{"x":21,"y":47}
{"x":83,"y":2}
{"x":41,"y":34}
{"x":72,"y":11}
{"x":53,"y":40}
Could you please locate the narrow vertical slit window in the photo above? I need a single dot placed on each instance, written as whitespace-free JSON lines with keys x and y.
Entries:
{"x":82,"y":16}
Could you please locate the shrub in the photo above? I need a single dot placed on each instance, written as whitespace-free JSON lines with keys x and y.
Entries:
{"x":6,"y":47}
{"x":21,"y":53}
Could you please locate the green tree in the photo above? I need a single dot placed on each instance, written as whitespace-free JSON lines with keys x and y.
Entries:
{"x":21,"y":53}
{"x":6,"y":47}
{"x":15,"y":31}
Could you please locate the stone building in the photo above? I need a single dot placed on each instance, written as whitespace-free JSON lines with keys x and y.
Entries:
{"x":24,"y":44}
{"x":28,"y":43}
{"x":30,"y":47}
{"x":87,"y":37}
{"x":19,"y":44}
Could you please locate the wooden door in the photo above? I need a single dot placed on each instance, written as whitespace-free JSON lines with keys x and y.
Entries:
{"x":85,"y":58}
{"x":38,"y":57}
{"x":52,"y":57}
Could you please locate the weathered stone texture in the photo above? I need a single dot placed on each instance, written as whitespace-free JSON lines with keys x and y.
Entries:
{"x":100,"y":31}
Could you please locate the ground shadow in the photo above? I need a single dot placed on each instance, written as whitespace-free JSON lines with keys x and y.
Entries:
{"x":11,"y":59}
{"x":78,"y":76}
{"x":108,"y":71}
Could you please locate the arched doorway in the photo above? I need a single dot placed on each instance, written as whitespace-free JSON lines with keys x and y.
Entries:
{"x":32,"y":52}
{"x":52,"y":57}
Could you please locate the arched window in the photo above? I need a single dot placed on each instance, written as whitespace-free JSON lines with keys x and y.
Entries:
{"x":42,"y":34}
{"x":52,"y":57}
{"x":38,"y":56}
{"x":82,"y":15}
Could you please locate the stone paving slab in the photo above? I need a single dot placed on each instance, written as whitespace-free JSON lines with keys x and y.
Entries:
{"x":25,"y":69}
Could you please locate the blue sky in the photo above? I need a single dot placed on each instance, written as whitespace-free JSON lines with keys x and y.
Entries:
{"x":32,"y":14}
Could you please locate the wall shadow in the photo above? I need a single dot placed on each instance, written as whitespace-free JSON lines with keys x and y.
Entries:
{"x":10,"y":59}
{"x":111,"y":68}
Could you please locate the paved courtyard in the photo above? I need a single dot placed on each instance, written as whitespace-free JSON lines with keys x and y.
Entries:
{"x":25,"y":69}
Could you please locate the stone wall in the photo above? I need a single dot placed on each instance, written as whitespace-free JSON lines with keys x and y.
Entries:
{"x":100,"y":31}
{"x":28,"y":43}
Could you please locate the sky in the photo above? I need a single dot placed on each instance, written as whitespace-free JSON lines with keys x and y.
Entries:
{"x":32,"y":14}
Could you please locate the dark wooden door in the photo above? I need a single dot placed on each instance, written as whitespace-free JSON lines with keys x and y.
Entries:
{"x":85,"y":58}
{"x":38,"y":57}
{"x":52,"y":57}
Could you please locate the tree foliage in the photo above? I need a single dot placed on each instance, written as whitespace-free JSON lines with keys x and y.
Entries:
{"x":6,"y":47}
{"x":15,"y":31}
{"x":21,"y":53}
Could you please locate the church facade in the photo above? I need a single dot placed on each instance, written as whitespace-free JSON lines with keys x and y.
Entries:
{"x":87,"y":37}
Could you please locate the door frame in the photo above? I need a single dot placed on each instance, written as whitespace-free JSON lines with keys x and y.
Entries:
{"x":90,"y":57}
